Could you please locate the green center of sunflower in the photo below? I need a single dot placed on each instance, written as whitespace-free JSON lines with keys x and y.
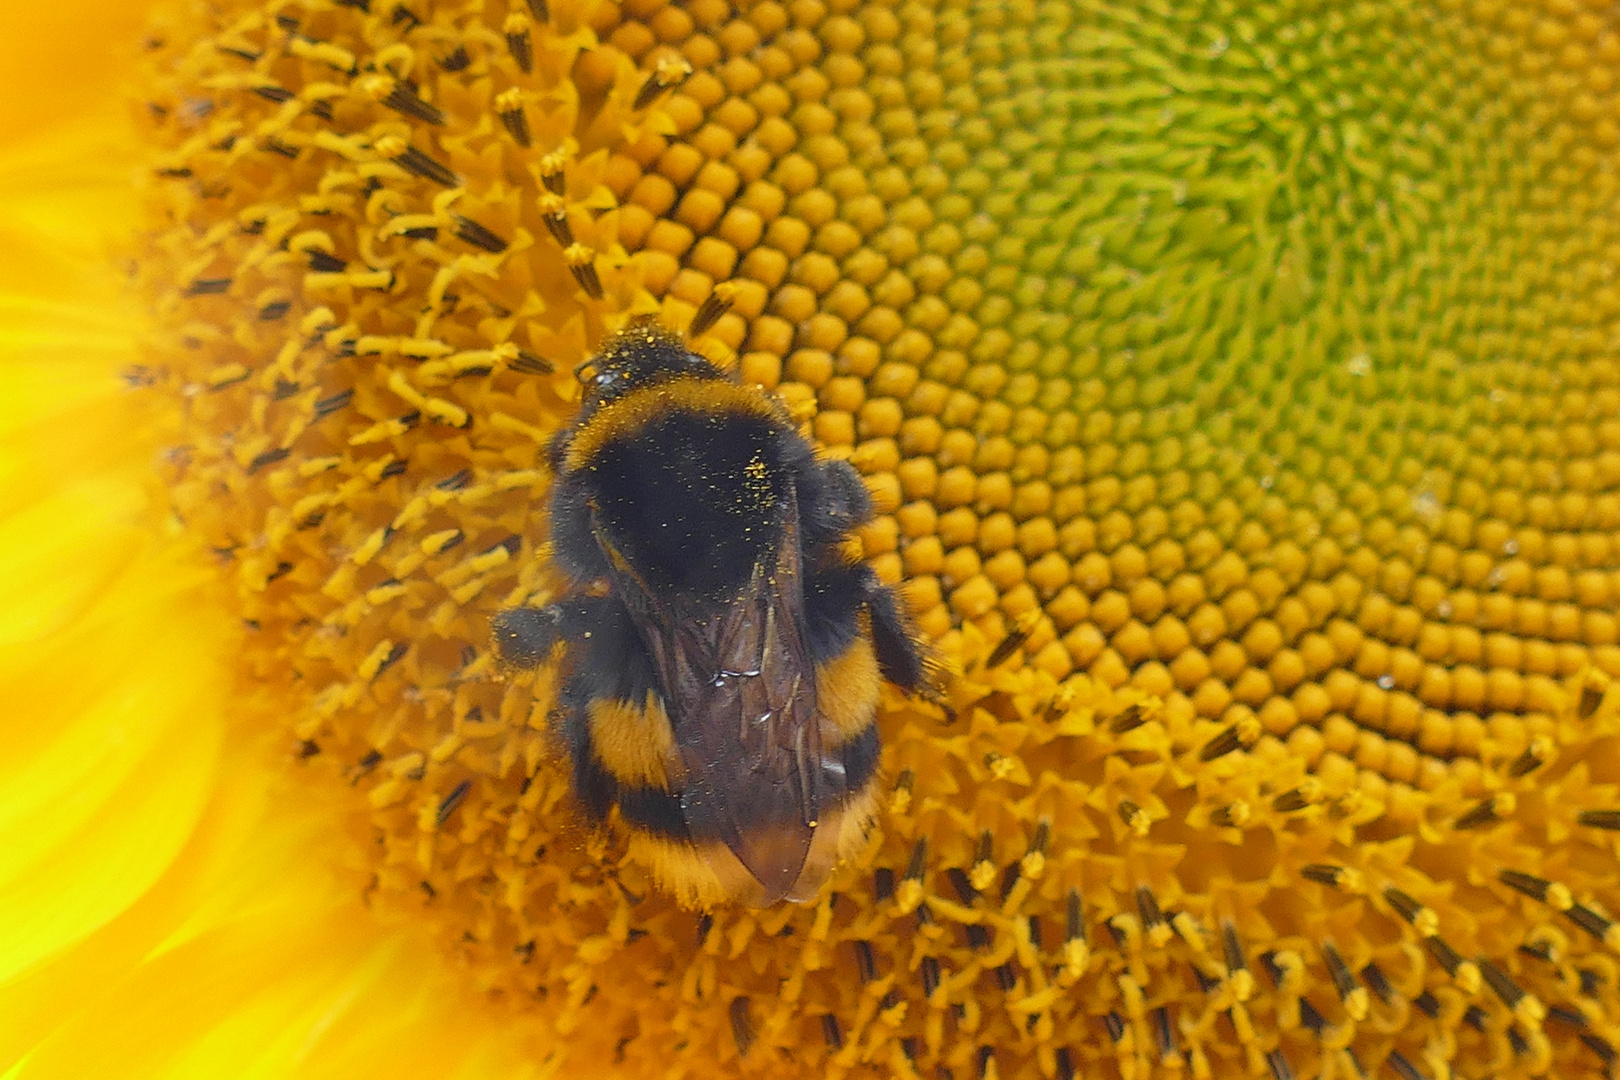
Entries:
{"x":1234,"y":382}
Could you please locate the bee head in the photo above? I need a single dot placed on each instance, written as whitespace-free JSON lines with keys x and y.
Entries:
{"x":641,"y":354}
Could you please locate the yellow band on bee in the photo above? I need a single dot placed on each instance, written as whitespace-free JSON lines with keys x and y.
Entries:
{"x":847,"y":687}
{"x":624,"y":417}
{"x":634,"y":743}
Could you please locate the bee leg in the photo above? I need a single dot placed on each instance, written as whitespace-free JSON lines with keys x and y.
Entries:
{"x":898,"y":655}
{"x":525,"y":636}
{"x":833,"y":500}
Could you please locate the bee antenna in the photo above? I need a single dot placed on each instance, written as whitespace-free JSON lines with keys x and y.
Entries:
{"x":579,"y":371}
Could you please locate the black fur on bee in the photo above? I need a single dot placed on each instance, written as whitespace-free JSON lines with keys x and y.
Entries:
{"x":722,"y":655}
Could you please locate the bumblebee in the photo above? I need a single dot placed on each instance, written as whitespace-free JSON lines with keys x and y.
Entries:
{"x":722,"y":654}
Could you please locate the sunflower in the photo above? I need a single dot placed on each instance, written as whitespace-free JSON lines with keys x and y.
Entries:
{"x":1236,"y":384}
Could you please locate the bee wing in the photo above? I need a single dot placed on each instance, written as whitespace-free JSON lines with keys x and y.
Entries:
{"x":741,"y":696}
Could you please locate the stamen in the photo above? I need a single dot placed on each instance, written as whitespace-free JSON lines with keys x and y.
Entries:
{"x":741,"y":1030}
{"x":516,"y":31}
{"x":401,"y":97}
{"x":1487,"y":812}
{"x":670,"y":73}
{"x":716,"y":304}
{"x":448,"y":806}
{"x":509,"y":107}
{"x":1600,"y":819}
{"x":581,"y":262}
{"x":478,"y":236}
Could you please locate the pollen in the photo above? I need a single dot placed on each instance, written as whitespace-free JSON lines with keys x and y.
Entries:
{"x":1235,"y":389}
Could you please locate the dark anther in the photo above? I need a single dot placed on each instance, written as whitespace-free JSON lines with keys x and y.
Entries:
{"x":428,"y":890}
{"x":987,"y":1054}
{"x":1290,"y":801}
{"x":1378,"y":982}
{"x":909,"y":1046}
{"x":457,"y":60}
{"x":307,"y":748}
{"x":513,"y":544}
{"x":530,"y":364}
{"x":1116,"y":1025}
{"x":882,"y":883}
{"x":1403,"y":904}
{"x":1535,"y":754}
{"x":1164,"y":1036}
{"x":1568,"y":1017}
{"x":329,"y":405}
{"x":280,"y":571}
{"x":1533,"y":887}
{"x":540,"y":10}
{"x":667,"y":76}
{"x":865,"y":962}
{"x":365,"y":765}
{"x":455,"y":482}
{"x":393,"y":468}
{"x":708,"y":313}
{"x":403,"y":99}
{"x":1009,"y":645}
{"x":324,"y":263}
{"x":284,"y":389}
{"x":1280,"y":1069}
{"x":403,"y":14}
{"x":965,"y":891}
{"x":1474,"y":1017}
{"x":831,"y":1034}
{"x":1147,"y":905}
{"x":585,"y":274}
{"x":516,"y":123}
{"x":1338,"y":970}
{"x":1006,"y":977}
{"x":1427,"y":1004}
{"x":208,"y":286}
{"x":475,"y":234}
{"x":977,"y":936}
{"x":741,"y":1030}
{"x":1221,"y":745}
{"x":393,"y":657}
{"x":525,"y":950}
{"x":322,"y":109}
{"x":705,"y":923}
{"x":240,"y":54}
{"x":1590,"y":921}
{"x":1516,"y":1039}
{"x":1128,"y":719}
{"x":1404,"y":1068}
{"x":1591,"y":698}
{"x":1322,"y":873}
{"x":1065,"y":1064}
{"x":1444,"y":954}
{"x":417,"y":163}
{"x":269,"y":457}
{"x":1501,"y":983}
{"x":274,"y":310}
{"x":421,"y":232}
{"x":1009,"y":878}
{"x":451,"y":801}
{"x":522,"y":50}
{"x":1602,"y":1048}
{"x":930,"y":975}
{"x":557,"y":225}
{"x":1600,"y":819}
{"x":278,"y":94}
{"x":1537,"y":950}
{"x":1481,"y":813}
{"x":919,"y":858}
{"x":276,"y":146}
{"x":1074,"y":923}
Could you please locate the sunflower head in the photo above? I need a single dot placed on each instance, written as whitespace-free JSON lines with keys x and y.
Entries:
{"x":1232,"y":382}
